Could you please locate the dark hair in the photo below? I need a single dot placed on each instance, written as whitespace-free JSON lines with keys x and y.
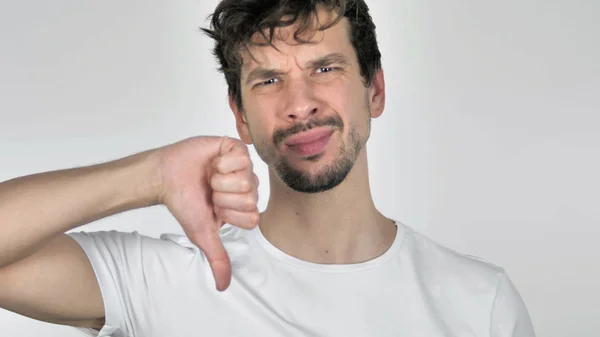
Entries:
{"x":234,"y":22}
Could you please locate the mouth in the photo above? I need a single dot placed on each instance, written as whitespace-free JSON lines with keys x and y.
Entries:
{"x":309,"y":143}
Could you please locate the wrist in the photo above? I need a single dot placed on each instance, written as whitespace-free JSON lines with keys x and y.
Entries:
{"x":139,"y":181}
{"x":150,"y":188}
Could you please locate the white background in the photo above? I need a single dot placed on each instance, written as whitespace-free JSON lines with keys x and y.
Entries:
{"x":489,"y":143}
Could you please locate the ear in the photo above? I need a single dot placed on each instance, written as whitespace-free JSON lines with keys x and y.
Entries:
{"x":240,"y":121}
{"x":377,"y":94}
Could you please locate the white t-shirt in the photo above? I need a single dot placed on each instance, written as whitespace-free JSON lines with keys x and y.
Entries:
{"x":165,"y":287}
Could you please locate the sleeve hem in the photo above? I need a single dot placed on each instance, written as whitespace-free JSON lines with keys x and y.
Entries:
{"x":110,"y":293}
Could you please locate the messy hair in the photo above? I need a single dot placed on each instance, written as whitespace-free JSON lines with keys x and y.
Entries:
{"x":235,"y":22}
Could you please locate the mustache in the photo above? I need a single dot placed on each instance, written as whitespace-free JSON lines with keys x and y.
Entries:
{"x":280,"y":135}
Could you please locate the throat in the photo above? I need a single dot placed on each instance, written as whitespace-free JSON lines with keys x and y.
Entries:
{"x":341,"y":243}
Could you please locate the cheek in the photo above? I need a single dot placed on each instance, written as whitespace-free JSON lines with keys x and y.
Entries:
{"x":351,"y":102}
{"x":259,"y":116}
{"x":357,"y":111}
{"x":339,"y":97}
{"x":260,"y":127}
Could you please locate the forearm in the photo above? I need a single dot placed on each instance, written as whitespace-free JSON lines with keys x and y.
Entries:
{"x":36,"y":208}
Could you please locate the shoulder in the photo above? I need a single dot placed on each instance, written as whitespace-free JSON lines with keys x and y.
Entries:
{"x":125,"y":243}
{"x":440,"y":265}
{"x":177,"y":251}
{"x":131,"y":254}
{"x":166,"y":243}
{"x":466,"y":288}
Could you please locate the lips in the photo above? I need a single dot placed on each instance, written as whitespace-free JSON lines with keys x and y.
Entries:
{"x":308,"y":137}
{"x":309,"y":143}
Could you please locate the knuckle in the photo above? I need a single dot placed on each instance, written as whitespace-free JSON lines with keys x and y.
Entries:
{"x":245,"y":185}
{"x":218,"y":182}
{"x":249,"y":204}
{"x":221,"y":165}
{"x":246,"y":162}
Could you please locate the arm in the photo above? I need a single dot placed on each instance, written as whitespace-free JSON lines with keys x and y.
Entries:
{"x":45,"y":274}
{"x":37,"y":208}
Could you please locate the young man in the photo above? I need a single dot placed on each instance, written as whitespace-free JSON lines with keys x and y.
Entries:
{"x":304,"y":81}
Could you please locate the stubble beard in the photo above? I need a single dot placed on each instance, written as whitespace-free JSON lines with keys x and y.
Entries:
{"x":329,"y":176}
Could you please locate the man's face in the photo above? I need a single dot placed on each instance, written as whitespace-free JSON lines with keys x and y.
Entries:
{"x":306,"y":108}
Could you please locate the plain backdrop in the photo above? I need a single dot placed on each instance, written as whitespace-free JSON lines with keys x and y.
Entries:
{"x":489,"y":143}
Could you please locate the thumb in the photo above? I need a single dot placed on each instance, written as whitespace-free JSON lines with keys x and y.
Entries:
{"x":211,"y":245}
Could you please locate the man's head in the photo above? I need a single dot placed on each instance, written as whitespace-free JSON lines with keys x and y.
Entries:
{"x":304,"y":79}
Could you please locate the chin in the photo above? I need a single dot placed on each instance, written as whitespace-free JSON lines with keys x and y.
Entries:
{"x":314,"y":176}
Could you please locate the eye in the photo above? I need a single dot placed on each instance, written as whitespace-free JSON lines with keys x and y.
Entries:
{"x":325,"y":70}
{"x":268,"y":82}
{"x":327,"y":74}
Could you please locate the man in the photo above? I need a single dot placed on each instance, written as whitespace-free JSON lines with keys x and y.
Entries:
{"x":304,"y":81}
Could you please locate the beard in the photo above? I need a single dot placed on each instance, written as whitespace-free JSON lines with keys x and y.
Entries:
{"x":330,"y":175}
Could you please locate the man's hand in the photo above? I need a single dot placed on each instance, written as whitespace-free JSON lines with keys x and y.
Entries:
{"x":206,"y":182}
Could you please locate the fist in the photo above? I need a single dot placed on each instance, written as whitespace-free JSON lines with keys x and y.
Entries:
{"x":205,"y":183}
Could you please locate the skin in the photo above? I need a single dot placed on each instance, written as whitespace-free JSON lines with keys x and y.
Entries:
{"x":203,"y":181}
{"x":340,"y":224}
{"x":207,"y":181}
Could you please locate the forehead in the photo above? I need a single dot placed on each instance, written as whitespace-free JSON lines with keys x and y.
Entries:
{"x":287,"y":49}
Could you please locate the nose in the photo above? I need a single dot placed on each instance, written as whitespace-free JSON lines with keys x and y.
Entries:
{"x":301,"y":100}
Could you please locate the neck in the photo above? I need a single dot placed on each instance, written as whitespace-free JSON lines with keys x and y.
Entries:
{"x":339,"y":226}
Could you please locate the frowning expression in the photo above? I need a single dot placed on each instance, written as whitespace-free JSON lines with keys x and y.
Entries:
{"x":305,"y":105}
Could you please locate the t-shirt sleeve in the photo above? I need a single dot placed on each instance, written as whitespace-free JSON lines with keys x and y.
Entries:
{"x":510,"y":317}
{"x":133,"y":272}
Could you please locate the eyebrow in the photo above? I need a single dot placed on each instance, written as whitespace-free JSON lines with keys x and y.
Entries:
{"x":262,"y":73}
{"x":337,"y":58}
{"x":334,"y":58}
